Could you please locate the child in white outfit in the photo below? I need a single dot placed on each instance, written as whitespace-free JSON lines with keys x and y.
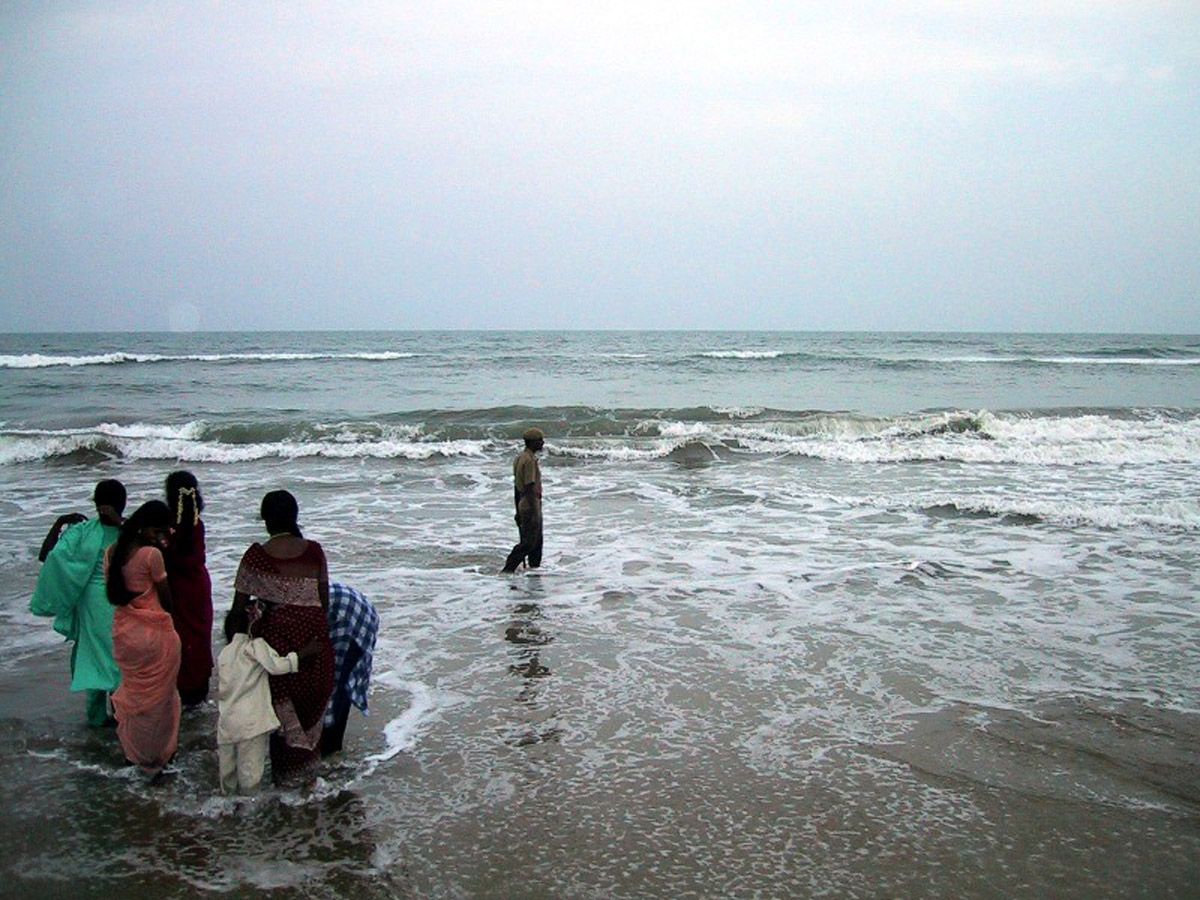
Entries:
{"x":245,"y":717}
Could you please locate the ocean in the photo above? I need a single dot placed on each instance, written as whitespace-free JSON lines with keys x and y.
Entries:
{"x":844,"y":615}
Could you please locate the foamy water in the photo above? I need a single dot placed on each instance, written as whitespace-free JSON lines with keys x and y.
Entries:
{"x":773,"y":651}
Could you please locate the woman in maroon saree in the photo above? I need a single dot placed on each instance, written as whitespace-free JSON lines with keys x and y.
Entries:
{"x":289,"y":573}
{"x":191,"y":587}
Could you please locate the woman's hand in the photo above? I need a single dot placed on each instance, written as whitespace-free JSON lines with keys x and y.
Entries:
{"x":312,"y":648}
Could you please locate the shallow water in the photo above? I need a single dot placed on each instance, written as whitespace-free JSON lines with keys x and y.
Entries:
{"x":798,"y":650}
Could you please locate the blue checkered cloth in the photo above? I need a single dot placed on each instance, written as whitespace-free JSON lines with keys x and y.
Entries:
{"x":352,"y":621}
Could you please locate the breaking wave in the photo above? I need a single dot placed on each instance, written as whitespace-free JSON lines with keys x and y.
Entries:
{"x":197,"y":442}
{"x":687,"y":436}
{"x":1178,"y":515}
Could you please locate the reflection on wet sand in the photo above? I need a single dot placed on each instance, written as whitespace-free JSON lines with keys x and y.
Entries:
{"x":526,"y":633}
{"x":177,"y":835}
{"x":528,"y":637}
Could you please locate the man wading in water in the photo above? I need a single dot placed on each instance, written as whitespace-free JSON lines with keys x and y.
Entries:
{"x":527,"y":494}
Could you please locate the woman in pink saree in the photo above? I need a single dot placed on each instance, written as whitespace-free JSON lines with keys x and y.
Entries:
{"x":145,"y":644}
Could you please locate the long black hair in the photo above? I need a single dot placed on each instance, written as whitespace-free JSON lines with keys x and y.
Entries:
{"x":153,"y":514}
{"x":185,"y":502}
{"x":280,"y":512}
{"x":236,"y":622}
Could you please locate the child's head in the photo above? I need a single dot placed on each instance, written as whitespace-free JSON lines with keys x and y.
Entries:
{"x":236,"y":622}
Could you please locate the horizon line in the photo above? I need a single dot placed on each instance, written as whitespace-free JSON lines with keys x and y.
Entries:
{"x":954,"y":331}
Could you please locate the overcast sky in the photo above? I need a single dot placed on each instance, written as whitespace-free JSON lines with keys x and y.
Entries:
{"x":926,"y":165}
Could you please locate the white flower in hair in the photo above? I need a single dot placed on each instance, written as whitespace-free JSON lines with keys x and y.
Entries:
{"x":187,"y":492}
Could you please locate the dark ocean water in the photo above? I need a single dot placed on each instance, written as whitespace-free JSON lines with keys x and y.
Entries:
{"x":821,"y":614}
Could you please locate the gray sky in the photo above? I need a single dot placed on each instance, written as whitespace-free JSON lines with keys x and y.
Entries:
{"x":944,"y":164}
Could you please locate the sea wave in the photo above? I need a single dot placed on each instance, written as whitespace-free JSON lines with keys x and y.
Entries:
{"x":198,"y":442}
{"x":42,"y":361}
{"x":746,"y":354}
{"x":988,"y":438}
{"x":1150,"y":352}
{"x":1115,"y":360}
{"x":1069,"y":438}
{"x":1099,"y":356}
{"x":1144,"y":356}
{"x":1129,"y":359}
{"x":1176,"y":515}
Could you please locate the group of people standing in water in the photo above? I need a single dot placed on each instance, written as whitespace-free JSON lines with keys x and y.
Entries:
{"x":135,"y":598}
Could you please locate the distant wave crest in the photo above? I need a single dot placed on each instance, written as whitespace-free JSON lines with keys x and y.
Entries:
{"x":1149,"y":355}
{"x":1114,"y":356}
{"x":745,"y":354}
{"x":43,"y":361}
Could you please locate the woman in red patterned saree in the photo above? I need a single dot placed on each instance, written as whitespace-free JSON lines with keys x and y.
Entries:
{"x":289,"y":574}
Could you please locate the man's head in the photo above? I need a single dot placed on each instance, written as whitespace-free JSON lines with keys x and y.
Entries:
{"x":534,"y":439}
{"x":109,"y":498}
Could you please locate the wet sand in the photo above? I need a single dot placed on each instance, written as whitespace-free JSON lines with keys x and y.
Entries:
{"x":520,"y":788}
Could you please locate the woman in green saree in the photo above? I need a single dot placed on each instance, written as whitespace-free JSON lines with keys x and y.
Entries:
{"x":70,"y":587}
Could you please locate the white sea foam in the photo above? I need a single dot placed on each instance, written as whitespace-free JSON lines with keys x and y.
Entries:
{"x":400,"y":734}
{"x":981,"y":438}
{"x":351,"y":432}
{"x":27,"y":636}
{"x":17,"y":449}
{"x":686,"y":430}
{"x":1114,"y":361}
{"x":973,"y":360}
{"x":285,"y":357}
{"x":1048,"y":360}
{"x":1179,"y":514}
{"x":1074,"y":440}
{"x":742,"y":354}
{"x":620,"y":452}
{"x":129,"y":773}
{"x":41,"y":360}
{"x":738,"y":412}
{"x":337,"y":449}
{"x":189,"y":431}
{"x":186,"y":444}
